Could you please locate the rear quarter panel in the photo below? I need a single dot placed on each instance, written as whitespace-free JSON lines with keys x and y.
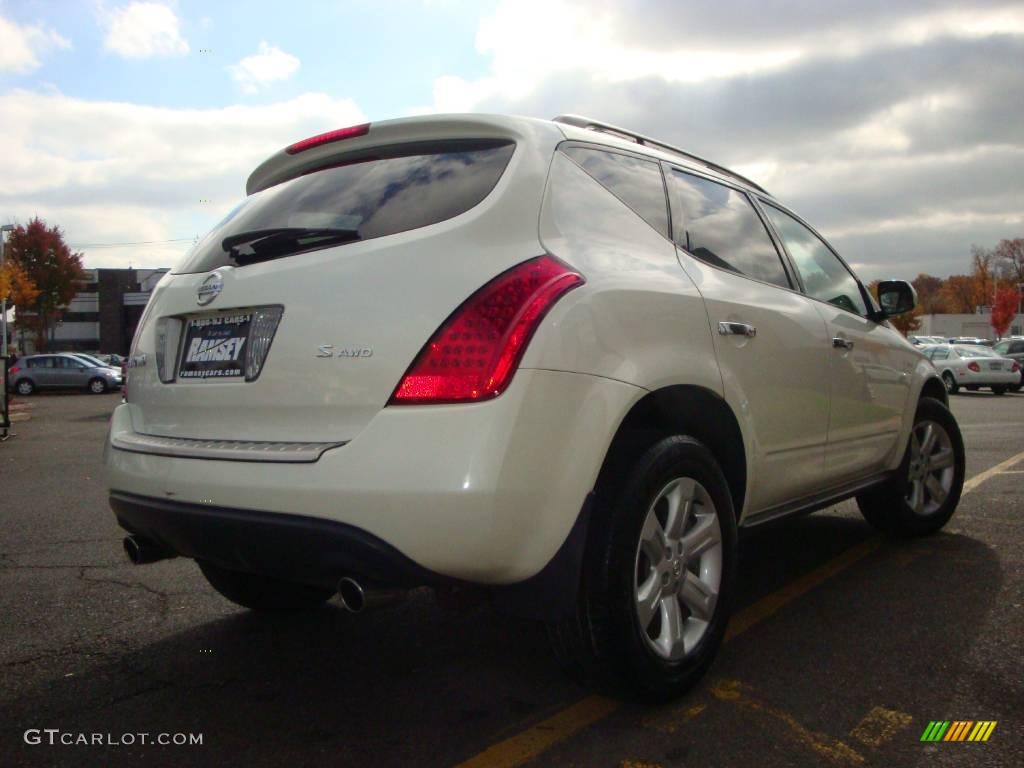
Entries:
{"x":639,"y":318}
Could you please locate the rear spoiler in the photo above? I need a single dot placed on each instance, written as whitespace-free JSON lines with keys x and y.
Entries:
{"x":350,"y":143}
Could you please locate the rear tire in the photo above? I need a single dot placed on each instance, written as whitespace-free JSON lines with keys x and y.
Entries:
{"x":97,"y":386}
{"x":658,"y":577}
{"x":263,"y":593}
{"x":24,"y":387}
{"x":950,"y":381}
{"x":922,"y":495}
{"x":1000,"y":390}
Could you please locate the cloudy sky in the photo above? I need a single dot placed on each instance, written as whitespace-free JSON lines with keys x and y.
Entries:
{"x":897,"y":127}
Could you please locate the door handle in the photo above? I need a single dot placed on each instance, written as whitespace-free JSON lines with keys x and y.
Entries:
{"x":737,"y":329}
{"x":838,"y":343}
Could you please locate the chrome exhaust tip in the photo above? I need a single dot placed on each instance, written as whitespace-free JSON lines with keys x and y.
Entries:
{"x":355,"y":598}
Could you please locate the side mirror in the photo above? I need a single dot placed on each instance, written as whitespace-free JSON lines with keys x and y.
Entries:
{"x":896,"y":297}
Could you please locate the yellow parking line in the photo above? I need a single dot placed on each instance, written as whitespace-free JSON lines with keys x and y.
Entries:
{"x":880,"y":725}
{"x":980,"y":478}
{"x":770,"y":604}
{"x":529,"y":744}
{"x":836,"y":752}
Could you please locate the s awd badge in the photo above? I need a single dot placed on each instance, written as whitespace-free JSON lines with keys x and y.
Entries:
{"x":329,"y":350}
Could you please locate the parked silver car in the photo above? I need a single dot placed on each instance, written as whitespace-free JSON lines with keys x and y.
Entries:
{"x":962,"y":365}
{"x":61,"y":371}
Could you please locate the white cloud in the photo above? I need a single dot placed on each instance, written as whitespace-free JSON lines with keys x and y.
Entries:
{"x":21,"y":46}
{"x":116,"y":172}
{"x":892,"y":126}
{"x":270,"y":65}
{"x":143,"y":30}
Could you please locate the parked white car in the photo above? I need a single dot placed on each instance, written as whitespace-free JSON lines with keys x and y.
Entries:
{"x":556,"y":360}
{"x":973,"y":367}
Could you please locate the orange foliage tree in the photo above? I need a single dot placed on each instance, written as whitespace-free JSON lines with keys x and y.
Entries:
{"x":1003,"y":310}
{"x":41,"y":253}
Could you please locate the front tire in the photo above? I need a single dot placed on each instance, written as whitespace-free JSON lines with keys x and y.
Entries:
{"x":950,"y":381}
{"x":263,"y":593}
{"x":97,"y":386}
{"x":659,"y":576}
{"x":923,"y":493}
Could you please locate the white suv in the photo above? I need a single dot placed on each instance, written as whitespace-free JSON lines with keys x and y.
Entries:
{"x":553,"y":359}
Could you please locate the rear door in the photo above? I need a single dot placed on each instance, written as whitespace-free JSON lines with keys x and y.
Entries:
{"x":44,"y":370}
{"x":870,"y":363}
{"x":771,"y":340}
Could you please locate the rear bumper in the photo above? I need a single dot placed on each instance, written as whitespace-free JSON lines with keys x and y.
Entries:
{"x":989,"y":378}
{"x":305,"y":550}
{"x":485,"y":493}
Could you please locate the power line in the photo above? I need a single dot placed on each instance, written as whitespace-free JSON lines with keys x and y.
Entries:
{"x":122,"y":245}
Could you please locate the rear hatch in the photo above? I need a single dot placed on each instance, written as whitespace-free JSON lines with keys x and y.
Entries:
{"x":296,"y":317}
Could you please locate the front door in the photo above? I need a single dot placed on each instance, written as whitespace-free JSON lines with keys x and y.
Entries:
{"x":870,"y":364}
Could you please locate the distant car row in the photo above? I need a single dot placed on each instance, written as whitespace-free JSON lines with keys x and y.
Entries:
{"x":972,"y":340}
{"x":65,"y":370}
{"x":974,"y":367}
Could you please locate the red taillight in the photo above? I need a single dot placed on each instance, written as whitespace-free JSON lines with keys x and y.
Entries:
{"x":474,"y":353}
{"x":13,"y":369}
{"x":1014,"y":368}
{"x":326,"y":138}
{"x":974,"y":367}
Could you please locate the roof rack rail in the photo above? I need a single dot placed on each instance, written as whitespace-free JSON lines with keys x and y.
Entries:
{"x":596,"y":125}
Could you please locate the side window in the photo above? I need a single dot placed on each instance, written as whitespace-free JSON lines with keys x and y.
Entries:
{"x":635,"y":182}
{"x":1017,"y":348}
{"x":35,"y":362}
{"x":721,"y":227}
{"x":824,"y":275}
{"x":940,"y":354}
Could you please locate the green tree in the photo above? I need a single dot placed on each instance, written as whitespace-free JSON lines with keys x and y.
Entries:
{"x":47,"y":261}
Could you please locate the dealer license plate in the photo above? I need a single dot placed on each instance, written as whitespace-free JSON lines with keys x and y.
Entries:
{"x":215,"y":346}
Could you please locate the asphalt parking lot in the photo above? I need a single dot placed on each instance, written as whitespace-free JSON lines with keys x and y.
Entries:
{"x":846,"y":645}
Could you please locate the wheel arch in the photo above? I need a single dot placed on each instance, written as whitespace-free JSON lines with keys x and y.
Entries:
{"x":674,"y":410}
{"x":935,"y":389}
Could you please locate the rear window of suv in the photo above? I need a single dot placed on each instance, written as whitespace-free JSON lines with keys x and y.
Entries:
{"x":393,"y":190}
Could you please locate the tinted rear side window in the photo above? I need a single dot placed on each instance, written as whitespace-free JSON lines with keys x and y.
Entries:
{"x":635,"y":182}
{"x":720,"y":226}
{"x":392,"y":191}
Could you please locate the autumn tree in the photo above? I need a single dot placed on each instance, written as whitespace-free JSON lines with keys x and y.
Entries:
{"x":929,"y":294}
{"x":1004,"y":309}
{"x":42,"y":255}
{"x":908,"y":321}
{"x":960,"y":294}
{"x":15,"y":285}
{"x":1010,"y":254}
{"x":983,"y":271}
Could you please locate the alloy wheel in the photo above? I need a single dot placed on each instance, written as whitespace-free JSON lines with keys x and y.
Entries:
{"x":931,"y":469}
{"x":678,"y":568}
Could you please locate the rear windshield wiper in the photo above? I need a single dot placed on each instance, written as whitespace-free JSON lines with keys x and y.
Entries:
{"x":266,"y":244}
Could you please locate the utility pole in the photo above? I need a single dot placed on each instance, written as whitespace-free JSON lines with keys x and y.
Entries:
{"x":3,"y":302}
